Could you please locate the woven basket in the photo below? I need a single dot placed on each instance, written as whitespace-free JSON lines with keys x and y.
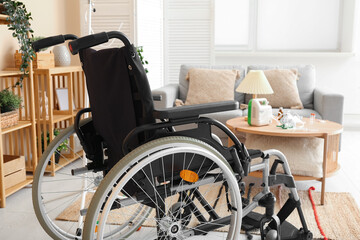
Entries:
{"x":9,"y":119}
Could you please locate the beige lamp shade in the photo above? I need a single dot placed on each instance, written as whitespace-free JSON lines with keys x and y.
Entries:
{"x":255,"y":82}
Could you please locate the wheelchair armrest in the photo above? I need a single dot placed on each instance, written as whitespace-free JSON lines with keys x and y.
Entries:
{"x":194,"y":110}
{"x":255,"y":153}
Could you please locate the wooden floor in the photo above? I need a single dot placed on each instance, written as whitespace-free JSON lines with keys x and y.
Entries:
{"x":18,"y":220}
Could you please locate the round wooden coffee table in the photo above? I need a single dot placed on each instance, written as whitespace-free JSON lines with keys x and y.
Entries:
{"x":329,"y":131}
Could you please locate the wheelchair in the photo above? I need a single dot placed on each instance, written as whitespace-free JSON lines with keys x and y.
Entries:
{"x":144,"y":179}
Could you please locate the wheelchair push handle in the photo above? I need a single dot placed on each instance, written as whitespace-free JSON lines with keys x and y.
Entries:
{"x":51,"y":41}
{"x":96,"y":39}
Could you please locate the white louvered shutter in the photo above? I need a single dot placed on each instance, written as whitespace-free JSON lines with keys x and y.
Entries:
{"x":149,"y":34}
{"x":188,"y":35}
{"x":140,"y":20}
{"x":110,"y":15}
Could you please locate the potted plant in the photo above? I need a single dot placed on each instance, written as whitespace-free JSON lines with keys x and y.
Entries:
{"x":62,"y":147}
{"x":144,"y":62}
{"x":19,"y":24}
{"x":9,"y":103}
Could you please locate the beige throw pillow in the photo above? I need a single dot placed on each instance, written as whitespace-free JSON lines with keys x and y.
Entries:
{"x":210,"y":85}
{"x":283,"y":83}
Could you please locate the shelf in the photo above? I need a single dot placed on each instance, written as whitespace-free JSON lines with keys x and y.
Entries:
{"x":64,"y":162}
{"x":59,"y":112}
{"x":20,"y":125}
{"x":13,"y":189}
{"x":58,"y":70}
{"x":10,"y":73}
{"x":57,"y":118}
{"x":3,"y":19}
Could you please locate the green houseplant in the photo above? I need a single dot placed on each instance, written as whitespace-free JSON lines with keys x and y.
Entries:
{"x":19,"y":24}
{"x":62,"y":147}
{"x":144,"y":62}
{"x":9,"y":103}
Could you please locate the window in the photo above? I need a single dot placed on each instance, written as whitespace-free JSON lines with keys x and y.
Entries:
{"x":149,"y":30}
{"x":284,"y":25}
{"x":298,"y":25}
{"x":231,"y":23}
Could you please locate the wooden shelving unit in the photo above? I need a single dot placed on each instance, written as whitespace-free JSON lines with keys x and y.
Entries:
{"x":37,"y":117}
{"x":18,"y":140}
{"x":20,"y":125}
{"x":48,"y":117}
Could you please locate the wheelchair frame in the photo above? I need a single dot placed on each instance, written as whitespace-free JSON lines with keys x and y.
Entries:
{"x":237,"y":156}
{"x":241,"y":166}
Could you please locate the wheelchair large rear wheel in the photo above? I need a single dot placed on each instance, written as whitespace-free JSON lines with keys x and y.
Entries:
{"x":188,"y":185}
{"x":57,"y":200}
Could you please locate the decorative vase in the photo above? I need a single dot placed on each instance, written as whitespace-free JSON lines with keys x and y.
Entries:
{"x":46,"y":103}
{"x":57,"y":158}
{"x":62,"y":56}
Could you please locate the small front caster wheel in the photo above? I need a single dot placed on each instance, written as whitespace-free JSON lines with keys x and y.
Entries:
{"x":78,"y":232}
{"x":272,"y":235}
{"x":308,"y":236}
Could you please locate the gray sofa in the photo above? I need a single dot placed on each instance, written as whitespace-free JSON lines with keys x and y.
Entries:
{"x":324,"y":104}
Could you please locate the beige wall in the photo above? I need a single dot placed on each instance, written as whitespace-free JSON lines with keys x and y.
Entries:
{"x":51,"y":17}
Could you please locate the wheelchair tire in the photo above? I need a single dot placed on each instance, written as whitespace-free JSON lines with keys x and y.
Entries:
{"x":54,"y":194}
{"x":143,"y":173}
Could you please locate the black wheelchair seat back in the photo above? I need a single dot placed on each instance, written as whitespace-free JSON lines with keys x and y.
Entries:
{"x":119,"y":94}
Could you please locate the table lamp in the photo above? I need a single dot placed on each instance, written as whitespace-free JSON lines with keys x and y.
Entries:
{"x":255,"y":82}
{"x":259,"y":110}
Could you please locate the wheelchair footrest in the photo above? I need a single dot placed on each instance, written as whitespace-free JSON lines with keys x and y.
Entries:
{"x":288,"y":231}
{"x":251,"y":221}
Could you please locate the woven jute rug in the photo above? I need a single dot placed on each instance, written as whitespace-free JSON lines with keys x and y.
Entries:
{"x":339,"y":217}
